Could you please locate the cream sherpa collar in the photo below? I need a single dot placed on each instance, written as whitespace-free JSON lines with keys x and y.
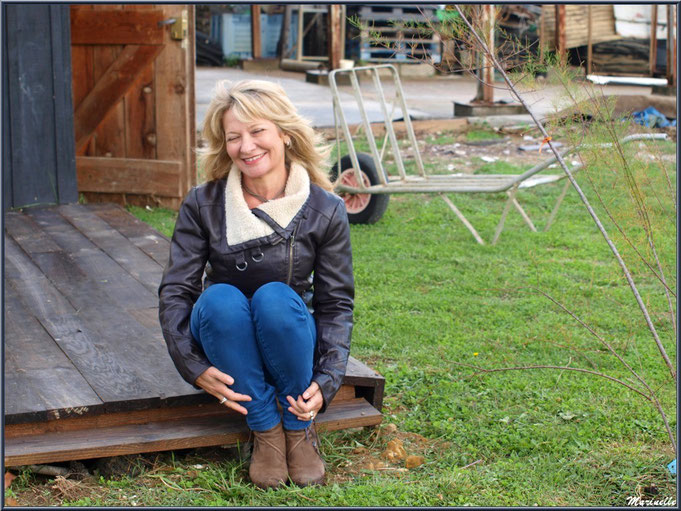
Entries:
{"x":243,"y":225}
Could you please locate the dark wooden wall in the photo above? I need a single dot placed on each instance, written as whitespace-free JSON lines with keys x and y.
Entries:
{"x":38,"y":156}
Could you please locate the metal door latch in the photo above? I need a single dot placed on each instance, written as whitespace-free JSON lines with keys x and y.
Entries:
{"x":178,"y":27}
{"x":178,"y":30}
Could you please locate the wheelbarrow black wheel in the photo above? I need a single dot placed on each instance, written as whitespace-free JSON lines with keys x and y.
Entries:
{"x":362,"y":208}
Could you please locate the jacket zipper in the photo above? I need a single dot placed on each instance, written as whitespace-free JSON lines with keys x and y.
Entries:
{"x":290,"y":257}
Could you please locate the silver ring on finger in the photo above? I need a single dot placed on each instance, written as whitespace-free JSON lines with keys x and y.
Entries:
{"x":222,"y":401}
{"x":312,"y":415}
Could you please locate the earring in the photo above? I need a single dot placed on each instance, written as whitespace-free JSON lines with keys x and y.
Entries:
{"x":288,"y":143}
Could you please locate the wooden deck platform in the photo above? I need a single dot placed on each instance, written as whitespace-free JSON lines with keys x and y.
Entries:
{"x":87,"y":372}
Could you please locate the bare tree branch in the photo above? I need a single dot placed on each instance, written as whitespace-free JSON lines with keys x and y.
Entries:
{"x":585,"y":200}
{"x":562,"y":368}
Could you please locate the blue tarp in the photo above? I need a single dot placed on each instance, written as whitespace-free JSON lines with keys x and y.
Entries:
{"x":652,"y":118}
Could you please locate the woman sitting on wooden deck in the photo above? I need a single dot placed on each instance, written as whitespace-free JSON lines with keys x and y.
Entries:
{"x":274,"y":242}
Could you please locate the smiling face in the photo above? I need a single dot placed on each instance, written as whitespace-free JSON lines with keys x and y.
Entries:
{"x":256,"y":147}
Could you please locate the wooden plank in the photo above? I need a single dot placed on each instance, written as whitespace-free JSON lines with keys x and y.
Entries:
{"x":360,"y":372}
{"x":334,"y":35}
{"x":107,"y":420}
{"x":104,"y":275}
{"x":107,"y":139}
{"x":653,"y":39}
{"x":98,"y":348}
{"x":348,"y":414}
{"x":82,"y":72}
{"x":110,"y":349}
{"x":670,"y":45}
{"x":344,"y":393}
{"x":101,"y":305}
{"x":603,"y":28}
{"x":7,"y":195}
{"x":560,"y":42}
{"x":113,"y":26}
{"x":120,"y":440}
{"x":66,"y":185}
{"x":129,"y":175}
{"x":256,"y":44}
{"x":150,"y":241}
{"x":140,"y":132}
{"x":369,"y":384}
{"x":110,"y":88}
{"x":32,"y":286}
{"x":31,"y":236}
{"x":185,"y":433}
{"x":173,"y":129}
{"x":104,"y":420}
{"x":589,"y":42}
{"x":192,"y":172}
{"x":39,"y":378}
{"x":82,"y":82}
{"x":115,"y":245}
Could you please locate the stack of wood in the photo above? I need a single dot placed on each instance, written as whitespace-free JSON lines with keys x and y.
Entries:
{"x":401,"y":27}
{"x":577,"y":25}
{"x":518,"y":34}
{"x":624,"y":57}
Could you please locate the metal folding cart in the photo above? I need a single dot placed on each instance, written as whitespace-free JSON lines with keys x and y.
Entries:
{"x":365,"y":184}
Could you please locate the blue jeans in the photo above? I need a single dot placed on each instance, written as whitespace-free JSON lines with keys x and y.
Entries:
{"x":266,"y":344}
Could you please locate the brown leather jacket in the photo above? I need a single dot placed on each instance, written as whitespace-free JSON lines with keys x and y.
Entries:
{"x":317,"y":242}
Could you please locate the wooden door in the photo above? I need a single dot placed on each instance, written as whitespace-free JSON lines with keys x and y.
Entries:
{"x":133,"y":96}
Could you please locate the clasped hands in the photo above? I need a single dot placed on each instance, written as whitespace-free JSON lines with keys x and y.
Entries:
{"x":216,"y":383}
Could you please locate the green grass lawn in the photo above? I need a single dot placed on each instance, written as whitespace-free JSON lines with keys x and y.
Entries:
{"x":430,"y":302}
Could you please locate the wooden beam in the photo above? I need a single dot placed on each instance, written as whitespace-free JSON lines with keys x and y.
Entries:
{"x":343,"y":17}
{"x":256,"y":45}
{"x":560,"y":44}
{"x":653,"y":40}
{"x":283,"y":50}
{"x":488,"y":67}
{"x":486,"y":74}
{"x":115,"y":26}
{"x":108,"y":420}
{"x":334,"y":37}
{"x":126,"y":175}
{"x":201,"y":431}
{"x":542,"y":35}
{"x":299,"y":38}
{"x":174,"y":125}
{"x":589,"y":43}
{"x":670,"y":44}
{"x":110,"y":88}
{"x":673,"y":44}
{"x":190,"y":58}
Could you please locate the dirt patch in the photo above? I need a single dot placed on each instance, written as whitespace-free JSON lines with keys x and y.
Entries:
{"x":469,"y":156}
{"x":388,"y":451}
{"x":624,"y":105}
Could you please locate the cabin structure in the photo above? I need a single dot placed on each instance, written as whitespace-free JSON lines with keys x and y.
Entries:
{"x":98,"y":104}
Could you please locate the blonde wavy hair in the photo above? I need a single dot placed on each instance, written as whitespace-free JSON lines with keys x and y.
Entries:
{"x":259,"y":99}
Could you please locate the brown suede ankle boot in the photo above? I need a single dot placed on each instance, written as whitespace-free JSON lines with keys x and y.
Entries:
{"x":268,"y":460}
{"x":305,"y":464}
